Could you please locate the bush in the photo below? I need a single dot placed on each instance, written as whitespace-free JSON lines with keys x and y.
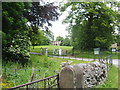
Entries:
{"x":18,"y":50}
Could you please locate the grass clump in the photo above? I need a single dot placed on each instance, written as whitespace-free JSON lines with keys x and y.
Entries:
{"x":112,"y":79}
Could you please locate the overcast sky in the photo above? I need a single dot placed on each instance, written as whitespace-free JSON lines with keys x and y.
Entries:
{"x":58,"y":28}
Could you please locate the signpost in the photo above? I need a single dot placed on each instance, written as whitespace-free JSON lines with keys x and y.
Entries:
{"x":97,"y":52}
{"x":113,"y":49}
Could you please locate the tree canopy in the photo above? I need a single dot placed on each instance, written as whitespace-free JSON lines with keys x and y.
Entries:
{"x":40,"y":14}
{"x":14,"y":29}
{"x":92,"y":24}
{"x":20,"y":25}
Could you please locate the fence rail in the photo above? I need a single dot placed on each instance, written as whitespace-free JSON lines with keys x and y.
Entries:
{"x":108,"y":61}
{"x":49,"y":82}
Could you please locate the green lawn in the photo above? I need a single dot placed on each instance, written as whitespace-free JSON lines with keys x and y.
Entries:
{"x":81,"y":54}
{"x":50,"y":48}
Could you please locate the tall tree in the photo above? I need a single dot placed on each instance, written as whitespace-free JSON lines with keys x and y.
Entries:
{"x":16,"y":34}
{"x":15,"y":31}
{"x":40,"y":13}
{"x":92,"y":24}
{"x":59,"y":38}
{"x":66,"y":42}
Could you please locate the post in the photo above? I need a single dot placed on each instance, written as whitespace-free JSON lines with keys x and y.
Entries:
{"x":71,"y":77}
{"x":41,"y":51}
{"x":46,"y":51}
{"x":60,"y":50}
{"x":53,"y":52}
{"x":97,"y":52}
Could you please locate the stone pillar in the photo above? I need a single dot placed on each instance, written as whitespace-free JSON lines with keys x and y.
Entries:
{"x":53,"y":52}
{"x":71,"y":77}
{"x":60,"y":51}
{"x":46,"y":51}
{"x":41,"y":51}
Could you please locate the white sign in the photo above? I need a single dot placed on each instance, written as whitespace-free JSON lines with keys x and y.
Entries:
{"x":96,"y":52}
{"x":113,"y":49}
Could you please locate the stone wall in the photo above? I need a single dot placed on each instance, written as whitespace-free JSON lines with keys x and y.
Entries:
{"x":89,"y":75}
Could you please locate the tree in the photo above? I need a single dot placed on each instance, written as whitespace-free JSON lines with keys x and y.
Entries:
{"x":92,"y":24}
{"x":14,"y":29}
{"x":45,"y":41}
{"x":49,"y":34}
{"x":36,"y":38}
{"x":40,"y":13}
{"x":66,"y":42}
{"x":59,"y":38}
{"x":16,"y":32}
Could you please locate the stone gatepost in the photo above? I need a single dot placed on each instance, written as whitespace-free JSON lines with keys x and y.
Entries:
{"x":71,"y":77}
{"x":41,"y":51}
{"x":53,"y":52}
{"x":46,"y":51}
{"x":60,"y":51}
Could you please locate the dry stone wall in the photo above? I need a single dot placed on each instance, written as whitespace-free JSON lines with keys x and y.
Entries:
{"x":92,"y":74}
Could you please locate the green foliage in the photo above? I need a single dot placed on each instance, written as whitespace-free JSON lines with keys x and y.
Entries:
{"x":92,"y":24}
{"x":49,"y":34}
{"x":36,"y":38}
{"x":66,"y":42}
{"x":15,"y":32}
{"x":59,"y":38}
{"x":45,"y":41}
{"x":40,"y":14}
{"x":16,"y":74}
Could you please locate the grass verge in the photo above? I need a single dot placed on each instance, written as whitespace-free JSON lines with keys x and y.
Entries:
{"x":112,"y":80}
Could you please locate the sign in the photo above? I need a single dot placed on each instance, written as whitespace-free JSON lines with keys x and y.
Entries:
{"x":113,"y":49}
{"x":96,"y":51}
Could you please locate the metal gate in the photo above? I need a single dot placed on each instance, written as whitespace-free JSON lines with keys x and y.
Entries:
{"x":49,"y":82}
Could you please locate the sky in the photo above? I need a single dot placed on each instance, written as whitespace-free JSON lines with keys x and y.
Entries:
{"x":58,"y":28}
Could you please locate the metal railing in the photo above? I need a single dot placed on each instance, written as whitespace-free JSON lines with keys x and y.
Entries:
{"x":108,"y":61}
{"x":49,"y":82}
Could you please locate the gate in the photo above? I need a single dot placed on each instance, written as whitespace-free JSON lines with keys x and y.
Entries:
{"x":49,"y":82}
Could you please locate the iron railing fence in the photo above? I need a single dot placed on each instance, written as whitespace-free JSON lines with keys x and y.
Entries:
{"x":49,"y":82}
{"x":109,"y":62}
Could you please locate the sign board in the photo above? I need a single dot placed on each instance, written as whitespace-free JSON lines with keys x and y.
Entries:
{"x":96,"y":51}
{"x":113,"y":49}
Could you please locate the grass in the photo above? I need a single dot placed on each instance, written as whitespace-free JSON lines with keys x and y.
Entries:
{"x":81,"y":54}
{"x":50,"y":48}
{"x":44,"y":67}
{"x":112,"y":80}
{"x":14,"y":74}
